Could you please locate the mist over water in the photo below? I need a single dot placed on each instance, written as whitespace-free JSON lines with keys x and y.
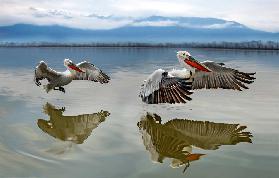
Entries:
{"x":70,"y":138}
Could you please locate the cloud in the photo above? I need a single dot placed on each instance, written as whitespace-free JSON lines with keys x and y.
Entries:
{"x":75,"y":19}
{"x":37,"y":12}
{"x":222,"y":25}
{"x":162,"y":23}
{"x":107,"y":14}
{"x":156,"y":23}
{"x":99,"y":16}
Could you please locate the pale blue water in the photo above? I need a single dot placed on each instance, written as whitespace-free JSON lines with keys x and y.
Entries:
{"x":115,"y":148}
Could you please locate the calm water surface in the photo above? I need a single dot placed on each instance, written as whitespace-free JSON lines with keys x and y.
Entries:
{"x":104,"y":131}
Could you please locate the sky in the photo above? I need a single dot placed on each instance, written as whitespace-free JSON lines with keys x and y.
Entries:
{"x":106,"y":14}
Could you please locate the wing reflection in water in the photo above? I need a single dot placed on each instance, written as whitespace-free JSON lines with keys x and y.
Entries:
{"x":176,"y":138}
{"x":70,"y":128}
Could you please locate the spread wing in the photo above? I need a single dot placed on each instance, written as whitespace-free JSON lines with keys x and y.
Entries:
{"x":91,"y":72}
{"x":161,"y":87}
{"x":42,"y":71}
{"x":209,"y":135}
{"x":70,"y":128}
{"x":162,"y":141}
{"x":221,"y":77}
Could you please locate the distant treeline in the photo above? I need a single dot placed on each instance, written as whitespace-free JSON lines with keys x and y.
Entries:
{"x":268,"y":45}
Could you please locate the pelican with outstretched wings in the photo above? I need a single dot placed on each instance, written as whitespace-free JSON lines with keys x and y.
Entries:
{"x":177,"y":138}
{"x":70,"y":128}
{"x":209,"y":74}
{"x":56,"y":80}
{"x":175,"y":86}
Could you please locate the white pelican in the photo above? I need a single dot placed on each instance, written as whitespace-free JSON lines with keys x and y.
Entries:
{"x":173,"y":86}
{"x":70,"y":128}
{"x":177,"y":138}
{"x":81,"y":71}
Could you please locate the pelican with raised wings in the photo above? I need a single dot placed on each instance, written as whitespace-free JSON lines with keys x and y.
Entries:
{"x":175,"y":86}
{"x":178,"y":138}
{"x":70,"y":128}
{"x":80,"y":71}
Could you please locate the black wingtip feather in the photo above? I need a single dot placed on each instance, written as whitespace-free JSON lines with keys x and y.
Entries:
{"x":177,"y":93}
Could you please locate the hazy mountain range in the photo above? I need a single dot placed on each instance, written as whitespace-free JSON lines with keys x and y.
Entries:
{"x":150,"y":29}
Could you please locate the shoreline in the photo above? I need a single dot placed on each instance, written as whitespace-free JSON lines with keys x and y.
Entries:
{"x":250,"y":45}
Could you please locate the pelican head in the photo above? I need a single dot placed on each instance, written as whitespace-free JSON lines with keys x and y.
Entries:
{"x":183,"y":55}
{"x":71,"y":66}
{"x":42,"y":62}
{"x":185,"y":59}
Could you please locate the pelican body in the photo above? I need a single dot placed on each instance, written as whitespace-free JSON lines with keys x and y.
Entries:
{"x":178,"y":138}
{"x":70,"y":128}
{"x":212,"y":75}
{"x":175,"y":86}
{"x":56,"y":80}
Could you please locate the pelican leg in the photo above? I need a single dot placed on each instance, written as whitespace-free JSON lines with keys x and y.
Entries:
{"x":62,"y":89}
{"x":157,"y":118}
{"x":186,"y":166}
{"x":37,"y":80}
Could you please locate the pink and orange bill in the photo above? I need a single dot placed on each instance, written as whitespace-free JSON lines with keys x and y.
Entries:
{"x":75,"y":68}
{"x":197,"y":65}
{"x":194,"y":157}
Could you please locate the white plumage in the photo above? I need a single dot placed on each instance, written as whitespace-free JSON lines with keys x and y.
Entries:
{"x":173,"y":86}
{"x":152,"y":82}
{"x":166,"y":87}
{"x":81,"y":71}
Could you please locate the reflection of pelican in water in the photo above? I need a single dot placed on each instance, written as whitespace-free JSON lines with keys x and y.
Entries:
{"x":70,"y":128}
{"x":175,"y":139}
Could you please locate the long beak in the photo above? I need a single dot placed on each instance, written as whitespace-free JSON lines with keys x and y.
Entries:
{"x":196,"y":64}
{"x":74,"y":67}
{"x":194,"y":157}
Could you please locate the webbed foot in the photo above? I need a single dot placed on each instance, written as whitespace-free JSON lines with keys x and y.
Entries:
{"x":62,"y":89}
{"x":63,"y":109}
{"x":37,"y":81}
